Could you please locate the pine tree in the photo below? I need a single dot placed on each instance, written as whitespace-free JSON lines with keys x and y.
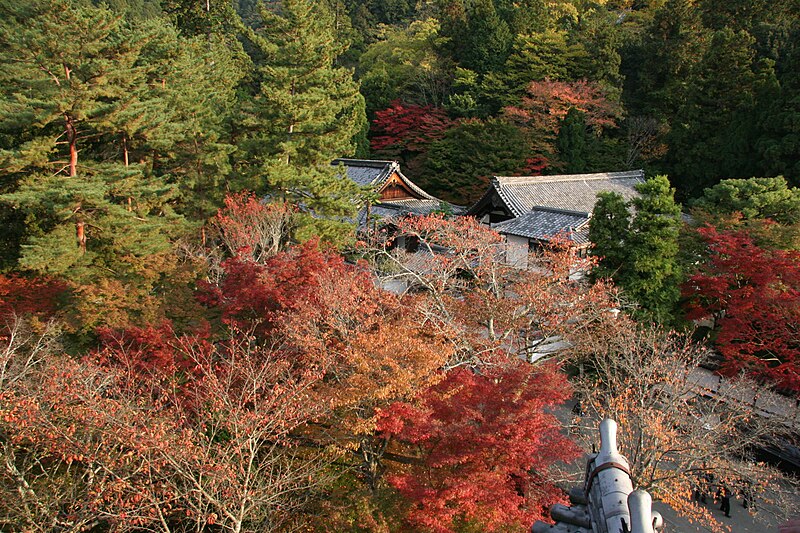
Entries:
{"x":74,"y":70}
{"x":100,"y":132}
{"x":305,"y":114}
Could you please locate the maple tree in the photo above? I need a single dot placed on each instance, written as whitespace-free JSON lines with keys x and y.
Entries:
{"x":330,"y":316}
{"x":156,"y":431}
{"x":250,"y":227}
{"x":753,"y":295}
{"x":21,"y":296}
{"x":497,"y":318}
{"x":404,"y":131}
{"x":485,"y":447}
{"x":547,"y":103}
{"x":488,"y":307}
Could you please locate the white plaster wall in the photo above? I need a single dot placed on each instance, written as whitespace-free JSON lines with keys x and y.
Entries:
{"x":517,"y":251}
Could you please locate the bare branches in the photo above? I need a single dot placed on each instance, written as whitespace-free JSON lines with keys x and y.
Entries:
{"x":681,"y":425}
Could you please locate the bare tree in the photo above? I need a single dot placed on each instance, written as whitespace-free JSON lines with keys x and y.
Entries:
{"x":489,"y":307}
{"x":684,"y":430}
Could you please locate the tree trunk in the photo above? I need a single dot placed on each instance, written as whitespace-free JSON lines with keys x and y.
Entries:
{"x":80,"y":235}
{"x":125,"y":149}
{"x":72,"y":140}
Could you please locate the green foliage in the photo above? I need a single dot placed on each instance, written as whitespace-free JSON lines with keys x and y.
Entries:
{"x":652,"y":276}
{"x":779,"y":145}
{"x":306,"y":112}
{"x":525,"y":16}
{"x":608,"y":229}
{"x":666,"y":58}
{"x":405,"y":65}
{"x":641,"y":257}
{"x":573,"y":142}
{"x":201,"y":18}
{"x":713,"y":133}
{"x":549,"y":54}
{"x":458,"y":166}
{"x":754,"y":198}
{"x":108,"y":129}
{"x":481,"y":40}
{"x":133,"y":9}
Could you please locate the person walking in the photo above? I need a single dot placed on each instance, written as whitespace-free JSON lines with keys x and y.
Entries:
{"x":725,"y":497}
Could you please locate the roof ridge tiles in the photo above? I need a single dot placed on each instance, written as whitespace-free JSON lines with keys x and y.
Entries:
{"x":625,"y":174}
{"x":371,"y":163}
{"x":549,"y":209}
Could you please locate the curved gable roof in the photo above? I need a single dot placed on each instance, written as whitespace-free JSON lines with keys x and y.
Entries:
{"x":375,"y":173}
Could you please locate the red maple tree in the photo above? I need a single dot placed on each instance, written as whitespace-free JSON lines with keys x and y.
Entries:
{"x":253,"y":229}
{"x":405,"y":130}
{"x":37,"y":296}
{"x":753,"y":294}
{"x":485,"y":447}
{"x":547,"y":103}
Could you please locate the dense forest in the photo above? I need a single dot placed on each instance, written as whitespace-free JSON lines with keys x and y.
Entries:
{"x":191,"y":333}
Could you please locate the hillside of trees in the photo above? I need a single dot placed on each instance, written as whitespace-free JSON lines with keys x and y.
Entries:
{"x":192,"y":337}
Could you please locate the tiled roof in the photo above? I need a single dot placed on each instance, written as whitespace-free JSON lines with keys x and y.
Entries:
{"x":576,"y":192}
{"x":374,"y":173}
{"x":400,"y":208}
{"x":368,"y":172}
{"x":543,"y":223}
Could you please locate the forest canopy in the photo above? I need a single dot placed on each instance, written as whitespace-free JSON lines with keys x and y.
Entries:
{"x":195,"y":337}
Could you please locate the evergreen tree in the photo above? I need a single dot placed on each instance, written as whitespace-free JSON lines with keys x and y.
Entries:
{"x":573,"y":142}
{"x":608,"y":229}
{"x":534,"y":57}
{"x":714,"y":132}
{"x":202,"y":17}
{"x":754,"y":198}
{"x":482,"y":43}
{"x":641,"y":257}
{"x":70,"y":95}
{"x":305,"y":114}
{"x":651,"y":275}
{"x":458,"y":165}
{"x":523,"y":17}
{"x":103,"y":122}
{"x":779,"y":144}
{"x":658,"y":68}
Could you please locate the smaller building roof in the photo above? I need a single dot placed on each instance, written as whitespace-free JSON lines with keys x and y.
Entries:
{"x":375,"y":174}
{"x":543,"y":223}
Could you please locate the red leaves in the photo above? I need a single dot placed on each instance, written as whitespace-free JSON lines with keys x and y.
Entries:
{"x":548,"y":102}
{"x":546,"y":105}
{"x":487,"y":445}
{"x":252,"y":229}
{"x":754,"y":295}
{"x":408,"y":128}
{"x":250,"y":295}
{"x":37,"y":296}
